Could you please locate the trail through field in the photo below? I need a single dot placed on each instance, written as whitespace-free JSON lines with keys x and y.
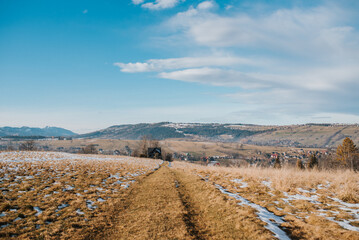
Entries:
{"x":174,"y":204}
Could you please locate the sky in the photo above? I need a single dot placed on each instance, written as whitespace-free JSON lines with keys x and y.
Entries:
{"x":87,"y":65}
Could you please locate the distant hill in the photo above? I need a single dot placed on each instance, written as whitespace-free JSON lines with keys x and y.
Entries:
{"x":306,"y":135}
{"x":28,"y":131}
{"x":165,"y":130}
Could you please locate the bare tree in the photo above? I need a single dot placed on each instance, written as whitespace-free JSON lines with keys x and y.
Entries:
{"x":28,"y":146}
{"x":89,"y":149}
{"x":142,"y":148}
{"x":10,"y":146}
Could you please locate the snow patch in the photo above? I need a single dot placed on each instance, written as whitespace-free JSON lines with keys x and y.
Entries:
{"x":273,"y":221}
{"x":240,"y":181}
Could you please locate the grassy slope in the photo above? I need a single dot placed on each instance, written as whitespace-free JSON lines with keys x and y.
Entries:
{"x":308,"y":135}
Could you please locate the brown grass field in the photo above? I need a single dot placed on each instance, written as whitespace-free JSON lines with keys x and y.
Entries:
{"x":47,"y":195}
{"x":198,"y":148}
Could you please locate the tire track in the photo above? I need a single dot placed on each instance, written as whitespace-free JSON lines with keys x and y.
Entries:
{"x":189,"y":214}
{"x":174,"y":204}
{"x":210,"y":216}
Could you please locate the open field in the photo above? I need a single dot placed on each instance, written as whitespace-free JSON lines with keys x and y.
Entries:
{"x":197,"y":148}
{"x":304,"y":204}
{"x":57,"y":194}
{"x":48,"y":195}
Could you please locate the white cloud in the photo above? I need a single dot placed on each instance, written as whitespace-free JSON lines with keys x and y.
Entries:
{"x":311,"y":48}
{"x":229,"y":7}
{"x":136,"y":2}
{"x":206,"y":5}
{"x":291,"y":62}
{"x":179,"y":63}
{"x":296,"y":31}
{"x":215,"y":77}
{"x":85,"y":11}
{"x":160,"y":4}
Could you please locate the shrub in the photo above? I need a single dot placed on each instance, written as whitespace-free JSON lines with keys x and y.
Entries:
{"x":313,"y":162}
{"x":89,"y":149}
{"x":300,"y":164}
{"x":28,"y":146}
{"x":277,"y":163}
{"x":169,"y":157}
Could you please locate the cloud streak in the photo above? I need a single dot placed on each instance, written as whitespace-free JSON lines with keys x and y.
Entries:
{"x":157,"y":5}
{"x":155,"y":65}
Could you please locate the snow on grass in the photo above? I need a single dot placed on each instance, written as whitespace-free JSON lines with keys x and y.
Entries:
{"x":40,"y":185}
{"x":79,"y":212}
{"x":90,"y":205}
{"x":273,"y":221}
{"x":312,"y":199}
{"x":344,"y":223}
{"x":289,"y":193}
{"x":268,"y":184}
{"x":240,"y":182}
{"x":62,"y":206}
{"x":38,"y":210}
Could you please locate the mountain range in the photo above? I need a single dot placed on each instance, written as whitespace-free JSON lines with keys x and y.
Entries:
{"x":30,"y":131}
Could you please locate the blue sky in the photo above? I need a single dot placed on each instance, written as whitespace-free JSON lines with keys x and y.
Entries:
{"x":86,"y":65}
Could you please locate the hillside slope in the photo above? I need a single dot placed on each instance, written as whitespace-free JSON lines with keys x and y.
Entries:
{"x":165,"y":130}
{"x":307,"y":135}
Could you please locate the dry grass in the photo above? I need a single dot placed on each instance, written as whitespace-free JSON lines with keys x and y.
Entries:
{"x":152,"y":211}
{"x":308,"y":200}
{"x":69,"y":196}
{"x":53,"y":195}
{"x":176,"y":205}
{"x":215,"y":216}
{"x":200,"y":148}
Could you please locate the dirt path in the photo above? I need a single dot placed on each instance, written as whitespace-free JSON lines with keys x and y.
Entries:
{"x":173,"y":204}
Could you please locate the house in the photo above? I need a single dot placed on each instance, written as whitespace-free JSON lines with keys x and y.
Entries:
{"x":154,"y":152}
{"x":213,"y":163}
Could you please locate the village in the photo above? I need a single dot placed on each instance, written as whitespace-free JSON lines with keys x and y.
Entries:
{"x":238,"y":155}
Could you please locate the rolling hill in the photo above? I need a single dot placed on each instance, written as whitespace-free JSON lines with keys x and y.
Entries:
{"x":306,"y":135}
{"x":29,"y":131}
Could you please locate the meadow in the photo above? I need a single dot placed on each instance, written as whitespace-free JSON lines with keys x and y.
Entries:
{"x":50,"y":195}
{"x":57,"y":194}
{"x":303,"y":204}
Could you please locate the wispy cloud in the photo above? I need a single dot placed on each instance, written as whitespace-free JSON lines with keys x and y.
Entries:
{"x":158,"y":4}
{"x":136,"y":2}
{"x":215,"y":77}
{"x":155,"y":65}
